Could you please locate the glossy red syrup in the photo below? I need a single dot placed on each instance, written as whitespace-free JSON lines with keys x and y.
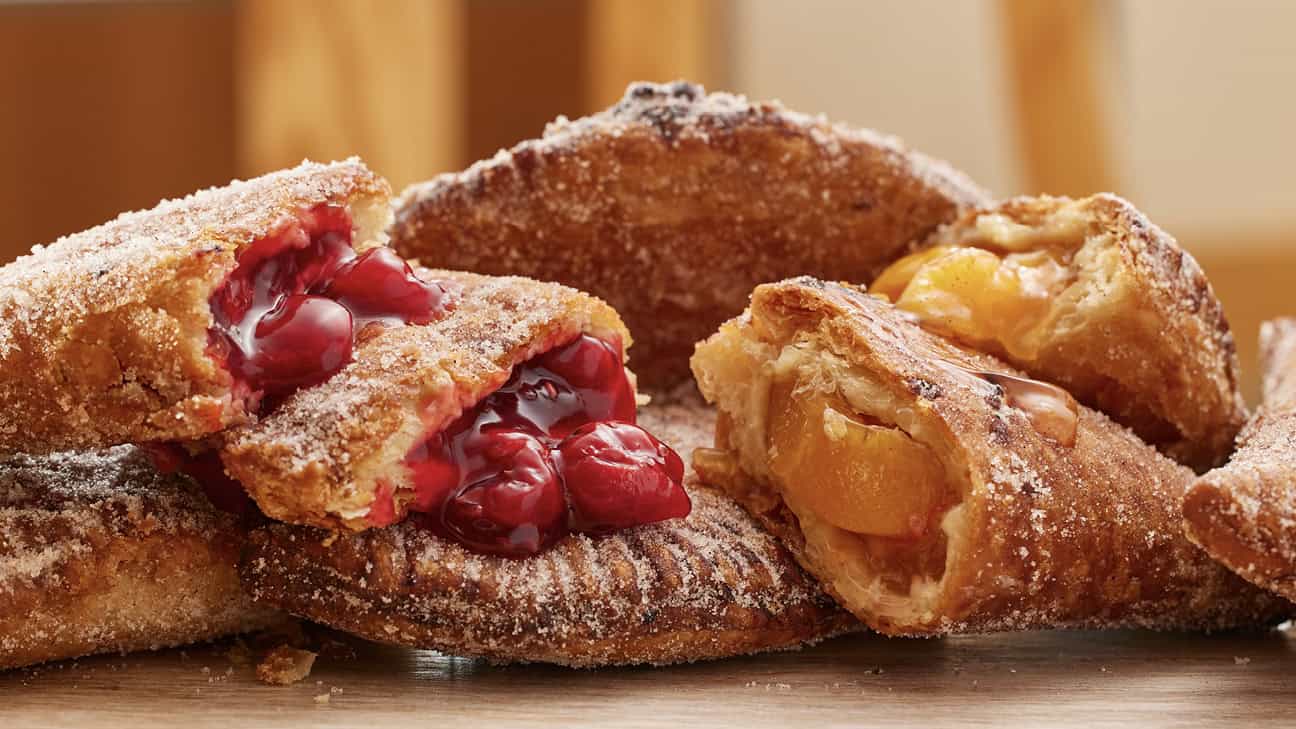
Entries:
{"x":288,"y":316}
{"x":554,"y":450}
{"x":205,"y":468}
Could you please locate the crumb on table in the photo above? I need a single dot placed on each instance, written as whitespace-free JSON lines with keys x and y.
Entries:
{"x":285,"y":665}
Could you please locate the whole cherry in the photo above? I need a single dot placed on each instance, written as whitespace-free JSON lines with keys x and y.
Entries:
{"x":618,"y":475}
{"x":516,"y":512}
{"x":301,"y":342}
{"x":593,"y":370}
{"x":380,"y":284}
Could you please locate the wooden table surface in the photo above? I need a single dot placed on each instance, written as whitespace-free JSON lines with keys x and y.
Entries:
{"x":1032,"y":679}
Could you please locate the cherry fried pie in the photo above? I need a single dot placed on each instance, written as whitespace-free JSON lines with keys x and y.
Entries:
{"x":305,"y":373}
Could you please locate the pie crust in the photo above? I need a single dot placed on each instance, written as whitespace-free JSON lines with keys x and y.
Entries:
{"x":1244,"y":513}
{"x":1091,"y":295}
{"x":104,"y":334}
{"x":1048,"y":528}
{"x":100,"y":553}
{"x":322,"y":457}
{"x":712,"y":585}
{"x":673,"y":203}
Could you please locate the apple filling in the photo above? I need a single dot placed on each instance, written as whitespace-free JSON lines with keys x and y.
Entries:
{"x":994,"y":299}
{"x":855,"y":474}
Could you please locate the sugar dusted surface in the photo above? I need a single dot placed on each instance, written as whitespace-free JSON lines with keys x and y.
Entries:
{"x":103,"y":334}
{"x":1086,"y":536}
{"x":673,"y":203}
{"x":99,"y":552}
{"x":1244,"y":513}
{"x":711,"y":585}
{"x":318,"y":458}
{"x":1140,"y":335}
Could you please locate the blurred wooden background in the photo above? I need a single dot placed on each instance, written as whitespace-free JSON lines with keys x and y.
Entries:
{"x":1181,"y":105}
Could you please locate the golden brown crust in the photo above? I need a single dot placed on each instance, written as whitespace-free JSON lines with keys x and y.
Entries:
{"x":1244,"y":514}
{"x":712,"y":585}
{"x":673,"y":203}
{"x":320,"y":458}
{"x":99,"y":553}
{"x":1140,"y":335}
{"x":103,"y":334}
{"x":1049,"y":535}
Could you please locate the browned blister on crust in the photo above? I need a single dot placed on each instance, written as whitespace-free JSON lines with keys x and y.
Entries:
{"x":673,"y":203}
{"x":99,"y":553}
{"x":1244,"y":513}
{"x":322,"y":457}
{"x":1132,"y":326}
{"x":712,"y":585}
{"x":103,"y":334}
{"x":1042,"y":532}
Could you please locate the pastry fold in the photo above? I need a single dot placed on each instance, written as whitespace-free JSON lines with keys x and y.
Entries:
{"x":1244,"y":513}
{"x":327,"y":453}
{"x":104,"y":334}
{"x":674,"y":203}
{"x":1017,"y":508}
{"x":712,"y":585}
{"x":1091,"y":295}
{"x":99,"y":553}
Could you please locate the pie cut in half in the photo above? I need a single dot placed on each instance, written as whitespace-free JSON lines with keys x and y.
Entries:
{"x":178,"y":322}
{"x":935,"y":490}
{"x":1244,"y":513}
{"x":672,"y":204}
{"x":487,"y":424}
{"x":712,"y":585}
{"x":1088,"y":294}
{"x":99,"y":553}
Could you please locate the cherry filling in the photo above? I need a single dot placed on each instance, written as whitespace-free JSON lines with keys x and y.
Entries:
{"x":206,"y":469}
{"x":288,"y":316}
{"x":554,"y":450}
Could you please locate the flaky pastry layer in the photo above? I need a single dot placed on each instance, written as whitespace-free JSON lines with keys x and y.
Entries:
{"x":1137,"y":332}
{"x":709,"y":586}
{"x":673,"y":203}
{"x":103,"y":334}
{"x":1244,"y":513}
{"x":321,"y":458}
{"x":99,"y":553}
{"x":1044,"y":533}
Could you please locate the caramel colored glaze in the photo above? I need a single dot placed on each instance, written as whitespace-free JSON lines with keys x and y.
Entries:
{"x":1050,"y":409}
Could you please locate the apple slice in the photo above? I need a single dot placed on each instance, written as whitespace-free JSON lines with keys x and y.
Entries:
{"x":976,"y":296}
{"x":867,"y":479}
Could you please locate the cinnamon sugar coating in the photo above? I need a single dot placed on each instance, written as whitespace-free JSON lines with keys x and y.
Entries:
{"x":1046,"y":534}
{"x":1139,"y":335}
{"x":1244,"y":513}
{"x":674,"y":203}
{"x":99,"y":553}
{"x":321,"y":457}
{"x":712,"y":585}
{"x":103,"y":334}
